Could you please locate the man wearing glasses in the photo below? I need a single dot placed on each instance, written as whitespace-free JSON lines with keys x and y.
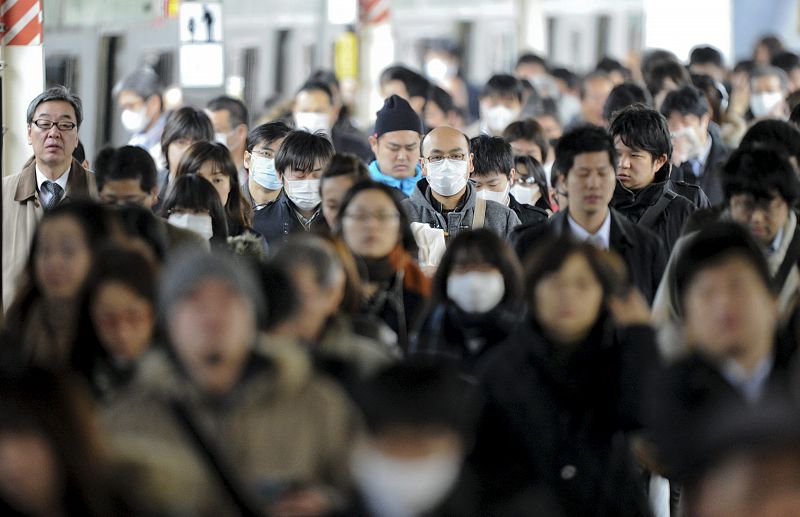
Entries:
{"x":445,"y":199}
{"x":46,"y":180}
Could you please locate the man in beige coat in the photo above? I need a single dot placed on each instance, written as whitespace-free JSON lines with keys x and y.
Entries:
{"x":48,"y":178}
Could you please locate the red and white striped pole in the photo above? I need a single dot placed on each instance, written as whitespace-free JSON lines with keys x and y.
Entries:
{"x":21,"y":22}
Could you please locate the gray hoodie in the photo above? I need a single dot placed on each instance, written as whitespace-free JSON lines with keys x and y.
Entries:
{"x":419,"y":208}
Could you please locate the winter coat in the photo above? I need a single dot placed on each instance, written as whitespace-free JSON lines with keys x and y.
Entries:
{"x":709,"y":180}
{"x":420,"y":209}
{"x":281,"y":426}
{"x":557,"y":419}
{"x":528,"y":214}
{"x":278,"y":219}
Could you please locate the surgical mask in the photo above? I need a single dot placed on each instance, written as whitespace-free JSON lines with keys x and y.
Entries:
{"x":403,"y":488}
{"x":491,"y":195}
{"x":303,"y":193}
{"x":476,"y":291}
{"x":447,"y":177}
{"x":762,"y":104}
{"x":197,"y":223}
{"x":526,"y":195}
{"x":686,"y":141}
{"x":262,"y":170}
{"x":312,"y":122}
{"x":498,"y":118}
{"x":438,"y":69}
{"x":134,"y":121}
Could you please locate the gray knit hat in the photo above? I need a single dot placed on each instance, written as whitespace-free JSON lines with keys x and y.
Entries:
{"x":188,"y":268}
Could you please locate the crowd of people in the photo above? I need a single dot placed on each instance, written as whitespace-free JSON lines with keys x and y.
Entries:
{"x":553,"y":295}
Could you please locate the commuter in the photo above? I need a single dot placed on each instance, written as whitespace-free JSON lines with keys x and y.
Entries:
{"x":440,"y":110}
{"x":230,"y":120}
{"x":314,"y":110}
{"x":644,"y":193}
{"x":263,"y":142}
{"x":442,"y":63}
{"x":665,"y":76}
{"x":126,"y":176}
{"x":734,"y":357}
{"x":775,"y":133}
{"x":262,"y":409}
{"x":51,"y":462}
{"x":395,"y":143}
{"x":530,"y":184}
{"x":116,"y":321}
{"x":299,"y":164}
{"x":194,"y":205}
{"x":40,"y":324}
{"x":373,"y":224}
{"x":616,"y":71}
{"x":707,"y":60}
{"x":789,"y":62}
{"x":143,"y":113}
{"x":49,"y":178}
{"x":407,"y":84}
{"x":212,"y":162}
{"x":142,"y":231}
{"x":527,"y":137}
{"x":766,"y":48}
{"x":494,"y":175}
{"x":565,"y":388}
{"x":342,"y":172}
{"x":595,"y":89}
{"x":420,"y":422}
{"x":622,"y":96}
{"x":319,"y":323}
{"x":475,"y":301}
{"x":344,"y":121}
{"x":769,"y":87}
{"x":184,"y":127}
{"x":445,"y":199}
{"x":500,"y":105}
{"x":698,"y":151}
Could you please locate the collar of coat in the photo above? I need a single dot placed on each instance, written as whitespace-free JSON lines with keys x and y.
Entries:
{"x":423,"y":194}
{"x":619,"y":237}
{"x":77,"y":184}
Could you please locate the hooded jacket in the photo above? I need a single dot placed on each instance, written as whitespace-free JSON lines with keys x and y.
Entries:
{"x":420,"y":209}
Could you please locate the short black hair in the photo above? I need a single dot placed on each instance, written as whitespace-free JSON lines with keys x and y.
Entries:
{"x":534,"y":170}
{"x":643,"y":128}
{"x":186,"y":122}
{"x":491,"y":154}
{"x":441,"y":98}
{"x":786,"y":61}
{"x":56,"y":93}
{"x":530,"y":130}
{"x":125,"y":163}
{"x":609,"y":64}
{"x":503,"y":85}
{"x":317,"y":86}
{"x":666,"y":69}
{"x":415,"y":83}
{"x":529,"y":58}
{"x":283,"y":301}
{"x":569,"y":77}
{"x":582,"y":139}
{"x":236,"y":109}
{"x":686,"y":100}
{"x":419,"y":394}
{"x":623,"y":95}
{"x":345,"y":164}
{"x":705,"y":55}
{"x":266,"y":133}
{"x":760,"y":171}
{"x":300,"y":150}
{"x":194,"y":192}
{"x":772,"y":132}
{"x":713,"y":245}
{"x":79,"y":153}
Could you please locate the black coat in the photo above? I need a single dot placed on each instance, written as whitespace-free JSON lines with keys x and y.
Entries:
{"x":709,"y":181}
{"x":399,"y":307}
{"x":278,"y":219}
{"x":642,"y":251}
{"x":669,"y":223}
{"x":528,"y":214}
{"x":559,"y":420}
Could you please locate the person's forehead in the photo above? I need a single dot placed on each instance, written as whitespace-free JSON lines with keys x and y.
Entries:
{"x":592,"y":158}
{"x":60,"y":109}
{"x":122,"y":185}
{"x":402,"y":137}
{"x":315,"y":97}
{"x":221,"y":117}
{"x":678,"y":118}
{"x":130,"y":96}
{"x":448,"y":140}
{"x":620,"y":145}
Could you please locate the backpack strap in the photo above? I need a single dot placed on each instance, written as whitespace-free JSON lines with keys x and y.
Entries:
{"x":479,"y":216}
{"x":654,"y":211}
{"x":789,"y":261}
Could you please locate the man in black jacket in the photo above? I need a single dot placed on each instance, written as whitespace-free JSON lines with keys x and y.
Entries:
{"x":494,"y":175}
{"x":585,"y":170}
{"x":644,"y":194}
{"x":299,"y":164}
{"x":698,"y":151}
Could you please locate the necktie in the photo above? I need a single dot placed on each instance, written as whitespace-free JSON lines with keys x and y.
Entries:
{"x":55,"y":191}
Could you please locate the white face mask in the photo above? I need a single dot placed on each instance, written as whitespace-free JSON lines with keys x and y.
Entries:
{"x":262,"y":170}
{"x":686,"y":144}
{"x":438,"y":69}
{"x":491,"y":195}
{"x":447,"y":177}
{"x":498,"y":118}
{"x":198,"y":223}
{"x":134,"y":121}
{"x":476,"y":291}
{"x":313,"y":122}
{"x":303,"y":193}
{"x":762,"y":104}
{"x":526,"y":195}
{"x":395,"y":488}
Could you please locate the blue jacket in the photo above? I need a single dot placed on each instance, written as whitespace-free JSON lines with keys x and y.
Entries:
{"x":404,"y":185}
